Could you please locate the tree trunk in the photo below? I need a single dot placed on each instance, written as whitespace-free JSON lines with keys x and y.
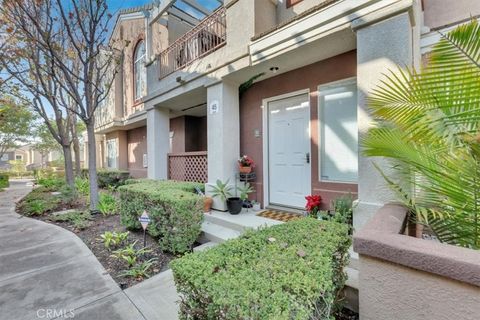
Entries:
{"x":67,"y":156}
{"x":76,"y":150}
{"x":92,"y":166}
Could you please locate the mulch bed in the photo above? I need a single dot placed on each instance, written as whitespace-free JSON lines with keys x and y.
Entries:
{"x":115,"y":266}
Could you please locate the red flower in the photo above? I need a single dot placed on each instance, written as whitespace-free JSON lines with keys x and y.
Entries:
{"x":313,"y":202}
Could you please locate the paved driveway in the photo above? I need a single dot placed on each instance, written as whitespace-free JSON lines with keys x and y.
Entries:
{"x":47,"y":272}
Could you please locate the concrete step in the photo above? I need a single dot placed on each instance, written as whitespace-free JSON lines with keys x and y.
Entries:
{"x":354,"y":262}
{"x":351,"y":289}
{"x":224,"y":221}
{"x":352,"y":280}
{"x":205,"y":246}
{"x":217,"y":233}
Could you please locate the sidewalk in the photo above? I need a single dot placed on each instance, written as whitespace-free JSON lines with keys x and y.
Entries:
{"x":47,"y":272}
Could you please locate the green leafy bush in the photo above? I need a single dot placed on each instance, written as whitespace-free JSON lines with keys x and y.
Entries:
{"x":83,"y":186}
{"x":107,"y":203}
{"x":175,"y":210}
{"x":4,"y":180}
{"x":38,"y":202}
{"x":288,"y":271}
{"x":51,"y":182}
{"x":113,"y":239}
{"x":139,"y":270}
{"x":112,"y":178}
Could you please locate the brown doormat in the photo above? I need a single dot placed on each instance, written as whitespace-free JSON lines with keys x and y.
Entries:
{"x":279,"y":215}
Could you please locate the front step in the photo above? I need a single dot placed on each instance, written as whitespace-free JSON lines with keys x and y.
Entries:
{"x":205,"y":246}
{"x":217,"y":233}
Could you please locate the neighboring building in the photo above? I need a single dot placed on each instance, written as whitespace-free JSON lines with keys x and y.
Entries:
{"x":31,"y":157}
{"x":176,"y":102}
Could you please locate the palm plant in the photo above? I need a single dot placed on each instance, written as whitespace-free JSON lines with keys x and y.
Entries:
{"x":428,"y":127}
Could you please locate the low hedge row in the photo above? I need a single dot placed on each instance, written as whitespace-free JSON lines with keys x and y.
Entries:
{"x":109,"y":178}
{"x":288,"y":271}
{"x":175,"y":210}
{"x":4,"y":180}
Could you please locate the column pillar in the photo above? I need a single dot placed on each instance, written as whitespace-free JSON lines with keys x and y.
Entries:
{"x":223,"y":134}
{"x":381,"y":46}
{"x":158,"y":142}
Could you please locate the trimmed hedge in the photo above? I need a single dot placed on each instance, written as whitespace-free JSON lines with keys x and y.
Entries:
{"x":288,"y":271}
{"x":112,"y":178}
{"x":175,"y":210}
{"x":109,"y":178}
{"x":4,"y":180}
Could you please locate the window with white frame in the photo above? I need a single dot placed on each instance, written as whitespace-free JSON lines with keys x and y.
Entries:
{"x":139,"y":70}
{"x":18,"y":157}
{"x":338,"y":130}
{"x":112,"y":154}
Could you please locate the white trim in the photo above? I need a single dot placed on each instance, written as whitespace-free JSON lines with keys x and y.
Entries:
{"x":265,"y":102}
{"x":333,"y":84}
{"x":429,"y":39}
{"x":333,"y":18}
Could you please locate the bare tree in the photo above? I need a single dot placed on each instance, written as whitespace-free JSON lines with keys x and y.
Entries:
{"x":66,"y":34}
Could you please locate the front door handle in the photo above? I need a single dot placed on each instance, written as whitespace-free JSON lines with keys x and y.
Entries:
{"x":307,"y":157}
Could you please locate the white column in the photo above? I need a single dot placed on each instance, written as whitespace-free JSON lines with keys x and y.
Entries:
{"x":223,"y":136}
{"x":381,"y":46}
{"x":158,"y":132}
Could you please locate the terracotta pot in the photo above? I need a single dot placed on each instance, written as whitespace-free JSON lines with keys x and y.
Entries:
{"x":207,"y":204}
{"x":245,"y":169}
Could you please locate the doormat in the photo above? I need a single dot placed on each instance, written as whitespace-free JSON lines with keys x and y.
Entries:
{"x":279,"y":215}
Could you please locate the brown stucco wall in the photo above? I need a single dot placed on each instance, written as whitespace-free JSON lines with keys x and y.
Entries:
{"x":439,"y":13}
{"x":189,"y":134}
{"x":336,"y":68}
{"x":137,"y":147}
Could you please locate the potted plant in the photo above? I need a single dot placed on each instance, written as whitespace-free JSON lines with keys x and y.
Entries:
{"x":223,"y":191}
{"x":246,"y":164}
{"x":245,"y":190}
{"x":207,"y":201}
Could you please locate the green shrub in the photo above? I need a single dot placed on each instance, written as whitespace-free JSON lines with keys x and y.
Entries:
{"x":288,"y":271}
{"x":175,"y":210}
{"x":4,"y":180}
{"x":107,"y":203}
{"x":112,"y":178}
{"x":79,"y":219}
{"x":51,"y":182}
{"x":38,"y":202}
{"x":83,"y":186}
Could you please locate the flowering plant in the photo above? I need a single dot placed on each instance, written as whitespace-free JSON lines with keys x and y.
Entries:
{"x":246,"y":161}
{"x":313,"y":205}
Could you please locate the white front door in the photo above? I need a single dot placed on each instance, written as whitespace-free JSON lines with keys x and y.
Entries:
{"x":289,"y":156}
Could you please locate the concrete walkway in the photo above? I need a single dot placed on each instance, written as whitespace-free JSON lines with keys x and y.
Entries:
{"x":47,"y":271}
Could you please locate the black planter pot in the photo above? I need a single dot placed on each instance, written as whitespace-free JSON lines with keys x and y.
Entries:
{"x":247,"y":204}
{"x":234,"y":205}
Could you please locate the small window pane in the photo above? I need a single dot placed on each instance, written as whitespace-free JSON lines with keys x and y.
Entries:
{"x":338,"y":133}
{"x":140,"y":72}
{"x":112,"y":153}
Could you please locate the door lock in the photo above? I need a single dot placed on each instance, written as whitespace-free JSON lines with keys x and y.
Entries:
{"x":307,"y":157}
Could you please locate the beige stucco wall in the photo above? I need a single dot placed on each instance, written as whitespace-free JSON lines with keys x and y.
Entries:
{"x":438,"y":13}
{"x":391,"y":291}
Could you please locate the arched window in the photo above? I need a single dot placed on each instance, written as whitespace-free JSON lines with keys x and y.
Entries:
{"x":139,"y":70}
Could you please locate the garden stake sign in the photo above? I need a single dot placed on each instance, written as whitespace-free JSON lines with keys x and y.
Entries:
{"x":144,"y":220}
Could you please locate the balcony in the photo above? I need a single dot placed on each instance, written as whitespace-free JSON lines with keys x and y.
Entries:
{"x":209,"y":35}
